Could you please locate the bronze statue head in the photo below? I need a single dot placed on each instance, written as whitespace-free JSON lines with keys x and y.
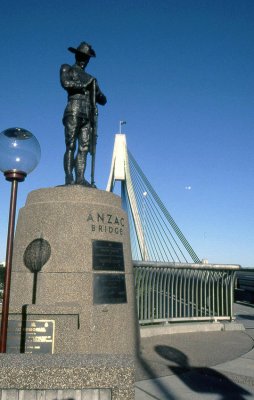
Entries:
{"x":83,"y":50}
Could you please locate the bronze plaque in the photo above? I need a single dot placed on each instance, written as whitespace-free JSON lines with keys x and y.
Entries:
{"x":109,"y":289}
{"x":31,"y":337}
{"x":107,"y":256}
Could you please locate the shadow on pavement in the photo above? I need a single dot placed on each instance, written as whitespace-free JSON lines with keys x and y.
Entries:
{"x":200,"y":379}
{"x":152,"y":375}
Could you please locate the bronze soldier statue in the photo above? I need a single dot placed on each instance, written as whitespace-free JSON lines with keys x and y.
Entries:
{"x":80,"y":115}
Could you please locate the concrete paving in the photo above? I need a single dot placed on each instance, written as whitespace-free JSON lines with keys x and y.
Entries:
{"x":197,"y":365}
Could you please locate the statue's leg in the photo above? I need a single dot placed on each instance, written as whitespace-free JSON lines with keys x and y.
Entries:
{"x":83,"y":147}
{"x":70,"y":124}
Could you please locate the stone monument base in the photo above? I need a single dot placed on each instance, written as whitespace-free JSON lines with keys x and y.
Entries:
{"x":73,"y":330}
{"x":72,"y":270}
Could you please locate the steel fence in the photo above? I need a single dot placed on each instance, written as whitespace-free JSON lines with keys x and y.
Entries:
{"x":184,"y":292}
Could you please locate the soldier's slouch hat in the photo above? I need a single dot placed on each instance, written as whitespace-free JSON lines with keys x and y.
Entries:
{"x":84,"y":49}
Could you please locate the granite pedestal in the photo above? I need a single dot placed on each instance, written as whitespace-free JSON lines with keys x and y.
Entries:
{"x":72,"y":288}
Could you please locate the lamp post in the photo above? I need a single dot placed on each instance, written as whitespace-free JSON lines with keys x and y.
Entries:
{"x":19,"y":154}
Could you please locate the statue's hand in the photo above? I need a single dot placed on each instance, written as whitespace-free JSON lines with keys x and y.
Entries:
{"x":101,"y":99}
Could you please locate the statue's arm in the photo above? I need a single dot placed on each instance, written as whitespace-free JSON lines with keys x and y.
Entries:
{"x":100,"y":97}
{"x":69,"y":79}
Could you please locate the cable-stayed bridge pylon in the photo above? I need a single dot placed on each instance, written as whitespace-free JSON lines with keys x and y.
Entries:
{"x":155,"y":235}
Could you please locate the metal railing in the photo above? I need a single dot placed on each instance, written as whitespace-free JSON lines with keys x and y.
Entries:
{"x":171,"y":292}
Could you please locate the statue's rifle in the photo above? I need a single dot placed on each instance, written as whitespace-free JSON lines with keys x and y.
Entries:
{"x":93,"y":139}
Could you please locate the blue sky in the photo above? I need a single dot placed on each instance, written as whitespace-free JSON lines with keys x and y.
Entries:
{"x":180,"y":72}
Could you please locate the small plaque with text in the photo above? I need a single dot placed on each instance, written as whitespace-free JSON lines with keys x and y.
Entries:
{"x":107,"y":256}
{"x":36,"y":337}
{"x":109,"y":289}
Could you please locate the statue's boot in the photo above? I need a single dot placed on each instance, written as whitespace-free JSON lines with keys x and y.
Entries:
{"x":69,"y":180}
{"x":68,"y":168}
{"x":80,"y":166}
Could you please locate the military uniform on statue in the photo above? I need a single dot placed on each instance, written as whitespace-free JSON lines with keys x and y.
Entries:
{"x":80,"y":115}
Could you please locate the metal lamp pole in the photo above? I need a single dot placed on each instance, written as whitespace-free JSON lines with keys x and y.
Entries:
{"x":19,"y":154}
{"x":14,"y":177}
